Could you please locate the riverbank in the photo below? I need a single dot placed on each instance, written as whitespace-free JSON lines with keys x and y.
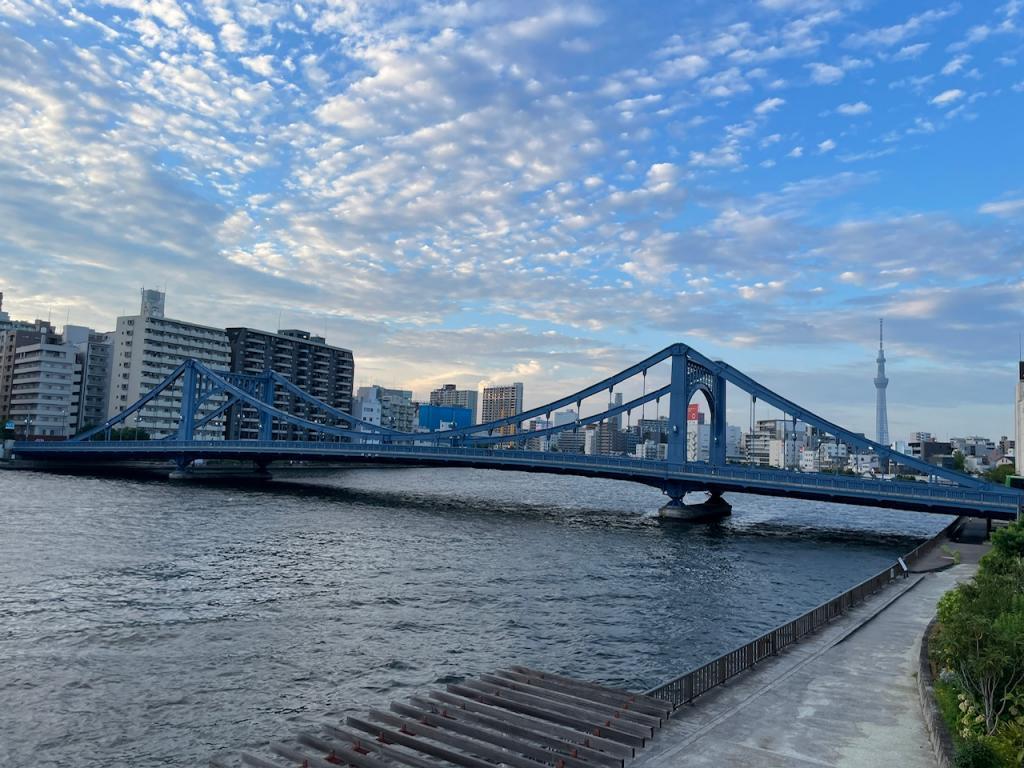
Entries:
{"x":846,"y":696}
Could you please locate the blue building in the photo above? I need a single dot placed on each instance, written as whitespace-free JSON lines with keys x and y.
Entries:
{"x":433,"y":417}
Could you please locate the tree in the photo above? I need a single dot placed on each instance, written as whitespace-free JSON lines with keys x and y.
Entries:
{"x":999,"y":474}
{"x":959,"y":461}
{"x":981,"y":631}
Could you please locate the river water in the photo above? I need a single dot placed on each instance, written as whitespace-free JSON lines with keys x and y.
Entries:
{"x":150,"y":623}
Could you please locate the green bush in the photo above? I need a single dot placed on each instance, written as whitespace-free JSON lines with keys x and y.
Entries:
{"x":976,"y":754}
{"x":980,"y":642}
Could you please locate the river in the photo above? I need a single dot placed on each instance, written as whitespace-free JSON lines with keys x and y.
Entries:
{"x":151,"y":623}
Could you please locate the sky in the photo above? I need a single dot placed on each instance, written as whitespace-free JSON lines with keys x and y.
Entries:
{"x":539,"y":191}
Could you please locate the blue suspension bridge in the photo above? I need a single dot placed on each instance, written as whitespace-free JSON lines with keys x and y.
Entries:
{"x":203,"y":397}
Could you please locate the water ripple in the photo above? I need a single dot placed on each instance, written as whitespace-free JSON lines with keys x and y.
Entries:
{"x":151,"y":624}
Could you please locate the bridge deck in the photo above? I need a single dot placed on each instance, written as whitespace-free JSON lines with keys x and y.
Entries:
{"x":994,"y":502}
{"x":518,"y":717}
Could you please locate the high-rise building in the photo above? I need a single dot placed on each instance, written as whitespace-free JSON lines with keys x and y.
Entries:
{"x":1019,"y":441}
{"x":307,"y":361}
{"x":568,"y":416}
{"x":733,"y":442}
{"x":147,"y":348}
{"x":459,"y":398}
{"x":395,"y":407}
{"x":11,"y":340}
{"x":653,"y":429}
{"x":570,"y":440}
{"x":53,"y":384}
{"x":42,"y":380}
{"x":500,"y":402}
{"x":881,"y":382}
{"x":615,"y":422}
{"x":93,"y":356}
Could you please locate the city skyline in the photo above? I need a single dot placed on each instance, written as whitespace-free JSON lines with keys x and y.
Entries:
{"x":468,"y":194}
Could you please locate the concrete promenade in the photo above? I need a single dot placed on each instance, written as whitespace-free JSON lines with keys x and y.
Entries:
{"x":846,"y":696}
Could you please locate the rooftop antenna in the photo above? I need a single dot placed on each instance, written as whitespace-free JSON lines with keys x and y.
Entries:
{"x":279,"y":321}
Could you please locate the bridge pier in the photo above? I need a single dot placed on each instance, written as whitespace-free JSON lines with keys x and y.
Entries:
{"x":714,"y":508}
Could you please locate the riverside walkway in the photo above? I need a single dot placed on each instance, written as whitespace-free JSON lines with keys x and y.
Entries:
{"x":845,"y":697}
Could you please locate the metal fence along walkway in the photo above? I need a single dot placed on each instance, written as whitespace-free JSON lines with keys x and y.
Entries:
{"x":686,"y":687}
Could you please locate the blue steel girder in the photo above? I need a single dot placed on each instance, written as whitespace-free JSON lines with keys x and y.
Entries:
{"x":277,"y":413}
{"x":595,"y":389}
{"x":692,"y":371}
{"x":331,"y":411}
{"x":133,"y":408}
{"x":573,"y":425}
{"x":761,"y":392}
{"x":699,"y":378}
{"x":215,"y":413}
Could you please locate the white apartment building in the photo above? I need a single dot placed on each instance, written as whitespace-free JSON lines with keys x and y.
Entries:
{"x":832,"y":455}
{"x":698,"y":441}
{"x":808,"y":460}
{"x":42,"y":385}
{"x":652,"y":449}
{"x":863,"y":463}
{"x":148,"y":347}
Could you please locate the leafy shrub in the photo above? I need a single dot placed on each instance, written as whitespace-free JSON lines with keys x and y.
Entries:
{"x":976,"y":754}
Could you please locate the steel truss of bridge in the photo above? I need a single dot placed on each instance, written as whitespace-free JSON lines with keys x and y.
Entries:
{"x":205,"y":396}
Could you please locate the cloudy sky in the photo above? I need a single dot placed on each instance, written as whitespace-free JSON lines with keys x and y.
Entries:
{"x":546,"y":192}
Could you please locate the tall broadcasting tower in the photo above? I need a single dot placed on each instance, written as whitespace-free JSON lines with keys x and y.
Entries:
{"x":881,"y":416}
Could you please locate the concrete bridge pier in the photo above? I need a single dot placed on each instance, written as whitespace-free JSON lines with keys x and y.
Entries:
{"x":191,"y":471}
{"x":712,"y":509}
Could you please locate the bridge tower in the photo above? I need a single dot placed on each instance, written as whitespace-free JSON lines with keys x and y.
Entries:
{"x":689,"y":376}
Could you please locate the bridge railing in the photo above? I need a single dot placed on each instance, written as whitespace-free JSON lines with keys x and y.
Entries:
{"x":685,"y":688}
{"x":696,"y":472}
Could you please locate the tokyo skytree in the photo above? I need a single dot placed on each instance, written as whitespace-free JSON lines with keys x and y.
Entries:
{"x":881,"y":416}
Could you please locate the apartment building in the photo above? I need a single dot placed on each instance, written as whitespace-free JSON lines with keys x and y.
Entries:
{"x":306,"y":360}
{"x":149,"y":346}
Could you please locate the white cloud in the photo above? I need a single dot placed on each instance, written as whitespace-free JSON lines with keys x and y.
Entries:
{"x":826,"y":146}
{"x":955,"y":64}
{"x":910,"y":51}
{"x":885,"y":37}
{"x":724,"y":84}
{"x":769,"y":105}
{"x":687,"y":67}
{"x":796,"y":152}
{"x":854,"y":278}
{"x":948,"y":97}
{"x":1003,"y":207}
{"x":232,"y":36}
{"x":261,"y":65}
{"x":852,"y":110}
{"x":825,"y":74}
